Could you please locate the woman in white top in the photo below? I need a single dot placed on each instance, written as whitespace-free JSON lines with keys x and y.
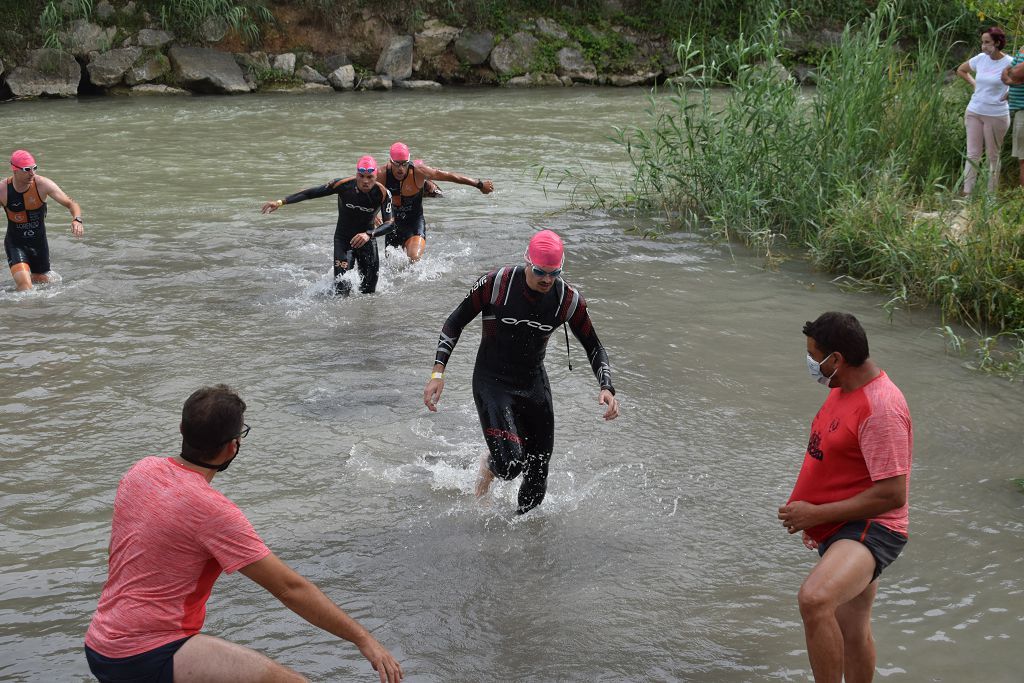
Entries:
{"x":988,"y":115}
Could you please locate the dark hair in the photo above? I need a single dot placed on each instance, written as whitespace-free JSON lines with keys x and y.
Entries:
{"x":840,"y":332}
{"x":211,"y":417}
{"x":998,"y":37}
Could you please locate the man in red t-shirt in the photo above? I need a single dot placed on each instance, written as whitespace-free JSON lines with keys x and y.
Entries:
{"x":172,"y":535}
{"x":850,"y":499}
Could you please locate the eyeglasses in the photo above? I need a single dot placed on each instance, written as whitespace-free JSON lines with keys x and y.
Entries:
{"x":26,"y":169}
{"x":366,"y":171}
{"x":245,"y":431}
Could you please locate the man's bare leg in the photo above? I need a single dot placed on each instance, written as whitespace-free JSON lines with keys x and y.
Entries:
{"x":22,"y":277}
{"x":212,"y":660}
{"x":484,"y":478}
{"x":840,"y":576}
{"x":414,"y":247}
{"x":858,"y":644}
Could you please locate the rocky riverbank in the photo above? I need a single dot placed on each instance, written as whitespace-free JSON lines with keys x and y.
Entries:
{"x":124,"y":51}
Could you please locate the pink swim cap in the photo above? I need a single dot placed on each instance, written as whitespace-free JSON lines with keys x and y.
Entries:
{"x":546,"y":250}
{"x":400,"y":151}
{"x":22,"y":159}
{"x":366,"y":164}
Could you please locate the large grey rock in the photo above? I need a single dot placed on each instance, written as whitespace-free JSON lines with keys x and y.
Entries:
{"x":83,"y":37}
{"x":150,"y":89}
{"x":417,"y":85}
{"x":434,"y":39}
{"x":551,"y":29}
{"x":473,"y":47}
{"x":572,"y":63}
{"x":213,"y":29}
{"x":104,"y":10}
{"x":534,"y":81}
{"x":208,"y":71}
{"x":396,"y":59}
{"x":153,"y":68}
{"x":46,"y":73}
{"x":108,"y":68}
{"x":515,"y":55}
{"x":155,"y":39}
{"x":343,"y":78}
{"x":285,"y":62}
{"x":310,"y":75}
{"x":253,"y":61}
{"x":376,"y":83}
{"x":627,"y":80}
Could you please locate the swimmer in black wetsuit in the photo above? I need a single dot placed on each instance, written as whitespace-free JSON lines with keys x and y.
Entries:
{"x":407,"y":182}
{"x":521,"y":306}
{"x":360,"y":197}
{"x":23,"y":197}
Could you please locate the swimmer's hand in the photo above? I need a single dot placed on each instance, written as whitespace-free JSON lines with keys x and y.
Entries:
{"x":360,"y":239}
{"x":608,"y":399}
{"x":432,"y":394}
{"x":383,"y":662}
{"x":271,"y":207}
{"x":488,"y":187}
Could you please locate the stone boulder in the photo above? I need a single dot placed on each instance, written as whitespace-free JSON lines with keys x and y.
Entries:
{"x":474,"y":47}
{"x":213,"y":29}
{"x":285,"y":63}
{"x":551,"y":29}
{"x":639,"y":78}
{"x":253,"y":61}
{"x":343,"y":78}
{"x":396,"y":59}
{"x":434,"y":39}
{"x":148,"y":37}
{"x":83,"y":37}
{"x":376,"y":83}
{"x":514,"y":56}
{"x":150,"y":89}
{"x":573,"y":64}
{"x":152,"y":69}
{"x":207,"y":71}
{"x":310,"y":75}
{"x":534,"y":81}
{"x":104,"y":11}
{"x":46,"y":73}
{"x":107,"y":69}
{"x":417,"y":85}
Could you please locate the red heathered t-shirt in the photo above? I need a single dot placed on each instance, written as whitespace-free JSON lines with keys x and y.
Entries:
{"x":857,"y":438}
{"x":172,"y":536}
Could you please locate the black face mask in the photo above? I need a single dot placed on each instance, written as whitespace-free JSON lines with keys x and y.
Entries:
{"x":218,"y":468}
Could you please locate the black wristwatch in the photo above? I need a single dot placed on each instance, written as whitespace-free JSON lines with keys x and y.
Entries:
{"x":479,"y":184}
{"x":78,"y":219}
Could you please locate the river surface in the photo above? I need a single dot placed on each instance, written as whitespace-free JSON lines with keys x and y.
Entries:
{"x":657,"y":555}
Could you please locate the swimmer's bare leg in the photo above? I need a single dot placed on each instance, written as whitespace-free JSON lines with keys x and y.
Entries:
{"x":414,"y":247}
{"x":23,"y":279}
{"x":484,"y":477}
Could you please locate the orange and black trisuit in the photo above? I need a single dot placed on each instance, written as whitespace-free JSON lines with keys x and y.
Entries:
{"x":25,"y":241}
{"x":407,"y":197}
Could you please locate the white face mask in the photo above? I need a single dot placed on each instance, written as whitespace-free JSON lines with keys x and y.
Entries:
{"x":814,"y":367}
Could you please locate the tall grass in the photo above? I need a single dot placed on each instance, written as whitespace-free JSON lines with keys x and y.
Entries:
{"x":860,"y":172}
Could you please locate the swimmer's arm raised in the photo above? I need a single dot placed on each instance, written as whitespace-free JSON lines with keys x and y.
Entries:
{"x":485,"y":186}
{"x":303,"y":195}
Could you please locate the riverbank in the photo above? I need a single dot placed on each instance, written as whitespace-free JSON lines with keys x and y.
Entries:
{"x":78,"y":47}
{"x":863,"y":173}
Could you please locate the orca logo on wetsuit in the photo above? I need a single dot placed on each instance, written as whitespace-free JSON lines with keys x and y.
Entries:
{"x":367,"y":209}
{"x":528,"y":323}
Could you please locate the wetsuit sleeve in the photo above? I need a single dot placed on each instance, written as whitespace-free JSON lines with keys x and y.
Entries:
{"x":314,"y":192}
{"x":461,"y":316}
{"x":579,"y":322}
{"x":387,"y":215}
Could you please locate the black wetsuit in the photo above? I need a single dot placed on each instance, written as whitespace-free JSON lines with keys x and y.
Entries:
{"x":510,"y":385}
{"x":25,"y":241}
{"x":356,"y":210}
{"x":409,"y":220}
